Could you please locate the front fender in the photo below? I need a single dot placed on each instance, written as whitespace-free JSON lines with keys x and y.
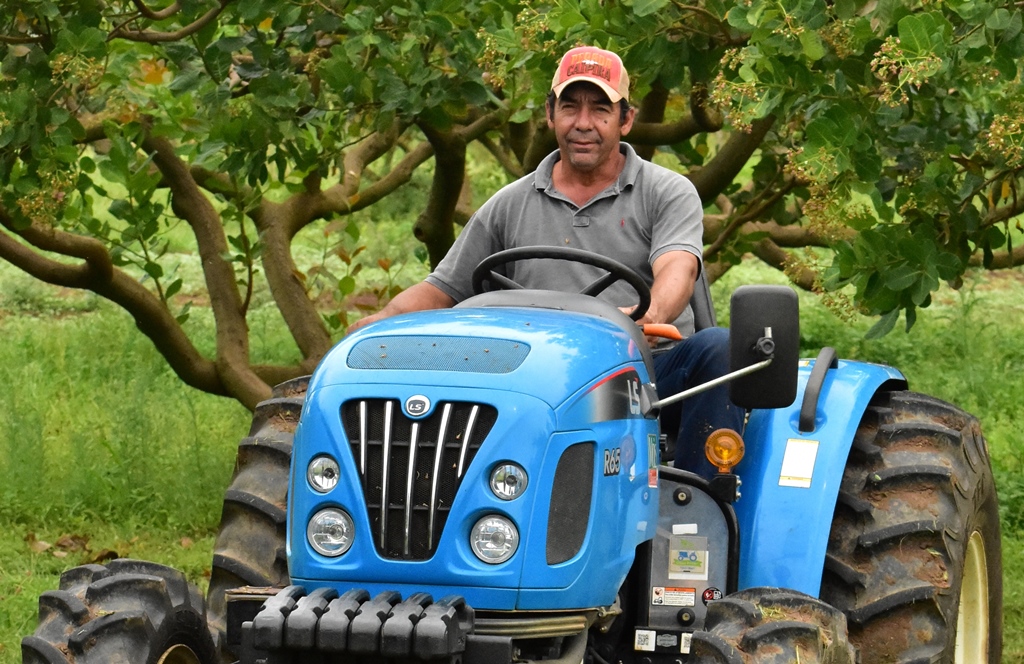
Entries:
{"x":785,"y":513}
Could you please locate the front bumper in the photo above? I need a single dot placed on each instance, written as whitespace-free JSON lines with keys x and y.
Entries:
{"x":288,"y":626}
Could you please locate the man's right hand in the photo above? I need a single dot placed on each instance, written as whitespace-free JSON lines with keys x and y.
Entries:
{"x":420,"y":297}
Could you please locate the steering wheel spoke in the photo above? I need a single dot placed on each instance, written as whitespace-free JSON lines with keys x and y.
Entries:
{"x":600,"y":285}
{"x":503,"y":281}
{"x":614,"y":272}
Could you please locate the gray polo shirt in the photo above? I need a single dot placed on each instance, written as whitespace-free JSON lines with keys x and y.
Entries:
{"x":648,"y":211}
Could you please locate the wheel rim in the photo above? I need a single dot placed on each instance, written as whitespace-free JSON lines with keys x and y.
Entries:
{"x":972,"y":618}
{"x":179,"y":654}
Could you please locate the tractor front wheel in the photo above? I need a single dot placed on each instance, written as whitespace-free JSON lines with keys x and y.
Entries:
{"x":772,"y":626}
{"x":914,"y":551}
{"x":128,"y":611}
{"x":250,"y":545}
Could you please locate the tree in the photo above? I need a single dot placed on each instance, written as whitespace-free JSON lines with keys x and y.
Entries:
{"x":889,"y":132}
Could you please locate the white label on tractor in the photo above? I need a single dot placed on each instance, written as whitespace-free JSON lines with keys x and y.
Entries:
{"x":688,"y":558}
{"x":684,"y":643}
{"x":661,"y":596}
{"x":798,"y":463}
{"x":644,"y":640}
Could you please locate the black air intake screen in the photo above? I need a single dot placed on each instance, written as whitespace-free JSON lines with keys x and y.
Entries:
{"x":471,"y":354}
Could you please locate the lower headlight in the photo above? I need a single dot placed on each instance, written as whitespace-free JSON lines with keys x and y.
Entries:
{"x":330,"y":532}
{"x":494,"y":539}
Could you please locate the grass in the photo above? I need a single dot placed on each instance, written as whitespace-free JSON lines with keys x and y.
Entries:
{"x":103,"y":450}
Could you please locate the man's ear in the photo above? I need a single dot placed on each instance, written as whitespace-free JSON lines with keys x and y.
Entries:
{"x":549,"y":112}
{"x":627,"y":124}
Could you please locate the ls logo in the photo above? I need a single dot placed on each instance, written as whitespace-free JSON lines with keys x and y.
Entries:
{"x":633,"y":387}
{"x":417,"y":406}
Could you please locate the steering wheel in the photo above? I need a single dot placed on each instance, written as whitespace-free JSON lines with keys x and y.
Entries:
{"x":614,"y":272}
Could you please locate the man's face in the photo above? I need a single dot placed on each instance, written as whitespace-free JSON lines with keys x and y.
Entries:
{"x":587,"y":126}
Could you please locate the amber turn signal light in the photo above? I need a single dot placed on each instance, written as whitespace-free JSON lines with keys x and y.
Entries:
{"x":724,"y":449}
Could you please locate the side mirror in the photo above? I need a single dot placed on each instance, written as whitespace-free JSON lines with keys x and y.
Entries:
{"x":764,"y":322}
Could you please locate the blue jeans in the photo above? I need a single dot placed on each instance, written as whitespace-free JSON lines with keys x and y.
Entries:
{"x":693,"y":361}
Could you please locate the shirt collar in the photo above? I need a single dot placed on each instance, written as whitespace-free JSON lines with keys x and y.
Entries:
{"x":627,"y":178}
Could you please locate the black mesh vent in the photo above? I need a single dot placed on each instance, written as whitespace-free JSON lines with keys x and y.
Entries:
{"x":470,"y":354}
{"x":441,"y":447}
{"x":569,"y":513}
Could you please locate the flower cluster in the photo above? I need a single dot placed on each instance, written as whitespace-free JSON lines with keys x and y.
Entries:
{"x":531,"y":28}
{"x":899,"y":71}
{"x":1005,"y":136}
{"x":738,"y":96}
{"x":45,"y":204}
{"x":838,"y":36}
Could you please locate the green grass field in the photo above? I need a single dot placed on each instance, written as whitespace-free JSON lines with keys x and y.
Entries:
{"x":104,"y":452}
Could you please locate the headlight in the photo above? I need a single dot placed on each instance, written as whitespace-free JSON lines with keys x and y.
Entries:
{"x":508,"y":481}
{"x":323,"y":473}
{"x":330,"y":532}
{"x":494,"y":539}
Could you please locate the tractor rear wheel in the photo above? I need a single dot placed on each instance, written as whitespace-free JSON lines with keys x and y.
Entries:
{"x":128,"y":611}
{"x":250,"y":545}
{"x":914,"y":551}
{"x":772,"y":626}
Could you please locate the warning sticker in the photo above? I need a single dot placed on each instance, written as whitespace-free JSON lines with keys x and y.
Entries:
{"x":684,"y":643}
{"x":662,"y":596}
{"x":688,"y":558}
{"x":653,"y":455}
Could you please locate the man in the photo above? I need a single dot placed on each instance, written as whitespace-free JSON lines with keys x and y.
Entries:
{"x":595,"y":193}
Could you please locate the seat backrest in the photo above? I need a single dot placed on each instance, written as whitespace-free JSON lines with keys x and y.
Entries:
{"x":700,"y":303}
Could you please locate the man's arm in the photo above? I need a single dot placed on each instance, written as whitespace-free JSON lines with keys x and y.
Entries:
{"x":675,"y":273}
{"x":420,"y":297}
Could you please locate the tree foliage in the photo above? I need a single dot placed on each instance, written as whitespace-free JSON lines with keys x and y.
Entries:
{"x":889,"y":132}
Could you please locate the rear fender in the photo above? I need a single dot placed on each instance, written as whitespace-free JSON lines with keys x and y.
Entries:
{"x":786,"y":509}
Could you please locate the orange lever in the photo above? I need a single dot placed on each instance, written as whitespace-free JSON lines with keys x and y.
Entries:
{"x":663,"y":330}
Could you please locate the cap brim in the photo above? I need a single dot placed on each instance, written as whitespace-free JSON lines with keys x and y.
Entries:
{"x":612,"y":93}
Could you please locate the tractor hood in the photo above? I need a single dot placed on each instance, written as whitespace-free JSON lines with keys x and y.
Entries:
{"x":545,"y":353}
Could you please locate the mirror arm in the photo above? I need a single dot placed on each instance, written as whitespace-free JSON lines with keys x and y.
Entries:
{"x":685,"y":394}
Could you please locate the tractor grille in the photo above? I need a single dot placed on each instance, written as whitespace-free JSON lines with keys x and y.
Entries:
{"x":411,"y":469}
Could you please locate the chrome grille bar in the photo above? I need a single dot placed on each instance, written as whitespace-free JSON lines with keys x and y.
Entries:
{"x":364,"y":422}
{"x":438,"y":453}
{"x":410,"y":483}
{"x":389,"y":408}
{"x":465,"y":440}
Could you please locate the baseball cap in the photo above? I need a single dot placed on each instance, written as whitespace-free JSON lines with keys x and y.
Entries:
{"x":598,"y":66}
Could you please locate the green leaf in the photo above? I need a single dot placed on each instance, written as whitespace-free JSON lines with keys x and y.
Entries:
{"x":647,"y":7}
{"x":998,"y":20}
{"x":173,"y":289}
{"x":812,"y":46}
{"x":900,"y":278}
{"x":884,"y":325}
{"x":914,"y":35}
{"x":153,"y":269}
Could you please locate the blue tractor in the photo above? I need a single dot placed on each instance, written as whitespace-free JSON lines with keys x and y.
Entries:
{"x":482,"y":485}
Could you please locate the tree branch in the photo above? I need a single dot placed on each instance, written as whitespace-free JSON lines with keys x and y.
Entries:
{"x":723,"y":168}
{"x":189,"y":203}
{"x":435,"y":227}
{"x":157,"y":15}
{"x":503,"y":157}
{"x":152,"y":37}
{"x":778,"y":258}
{"x":99,"y":275}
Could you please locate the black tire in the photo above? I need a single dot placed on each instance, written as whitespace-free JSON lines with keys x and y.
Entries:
{"x":129,"y":611}
{"x":250,"y":545}
{"x":772,"y":626}
{"x":917,"y":515}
